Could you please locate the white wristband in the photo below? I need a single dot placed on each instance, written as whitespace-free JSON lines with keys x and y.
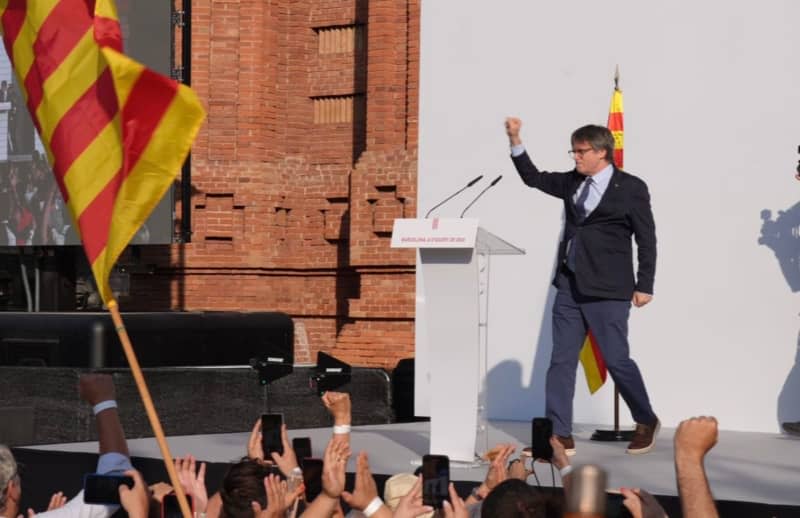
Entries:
{"x":373,"y":507}
{"x":341,"y":429}
{"x":566,"y":470}
{"x":104,"y":405}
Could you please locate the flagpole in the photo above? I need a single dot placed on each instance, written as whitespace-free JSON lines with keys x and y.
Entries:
{"x":615,"y":435}
{"x":144,"y":393}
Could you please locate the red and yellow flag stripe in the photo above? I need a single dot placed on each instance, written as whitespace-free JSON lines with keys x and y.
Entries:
{"x":116,"y":133}
{"x":616,"y":125}
{"x":594,"y":367}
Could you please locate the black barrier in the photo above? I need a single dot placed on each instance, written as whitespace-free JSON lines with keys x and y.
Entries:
{"x":41,"y":406}
{"x":168,"y":339}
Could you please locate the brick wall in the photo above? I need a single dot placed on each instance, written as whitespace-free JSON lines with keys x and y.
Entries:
{"x":307,"y":156}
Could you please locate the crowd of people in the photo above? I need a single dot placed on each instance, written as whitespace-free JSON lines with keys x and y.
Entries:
{"x":32,"y":211}
{"x":271,"y":486}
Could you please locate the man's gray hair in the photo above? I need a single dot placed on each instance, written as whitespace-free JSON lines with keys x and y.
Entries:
{"x":8,"y":472}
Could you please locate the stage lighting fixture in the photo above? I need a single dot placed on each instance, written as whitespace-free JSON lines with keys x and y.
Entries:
{"x":329,"y":374}
{"x":274,"y":365}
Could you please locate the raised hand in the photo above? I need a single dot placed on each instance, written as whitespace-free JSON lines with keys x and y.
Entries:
{"x":338,"y":404}
{"x":695,"y":437}
{"x":56,"y":501}
{"x":497,"y":469}
{"x":365,"y":489}
{"x":279,"y":499}
{"x":288,"y":461}
{"x":642,"y":504}
{"x":560,"y":459}
{"x":455,"y":508}
{"x":193,"y":481}
{"x":334,"y":463}
{"x":513,"y":125}
{"x":255,"y":450}
{"x":135,"y":500}
{"x":94,"y":388}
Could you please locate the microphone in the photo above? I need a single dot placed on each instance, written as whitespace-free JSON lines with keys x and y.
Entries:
{"x":494,"y":182}
{"x":470,"y":184}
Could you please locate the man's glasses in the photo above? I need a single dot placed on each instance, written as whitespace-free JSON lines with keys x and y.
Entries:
{"x":579,"y":152}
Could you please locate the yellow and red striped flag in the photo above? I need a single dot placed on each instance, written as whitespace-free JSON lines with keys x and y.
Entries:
{"x":594,"y":367}
{"x":116,"y":133}
{"x":616,"y":126}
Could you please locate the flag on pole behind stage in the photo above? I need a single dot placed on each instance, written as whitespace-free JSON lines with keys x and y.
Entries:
{"x":616,"y":126}
{"x":594,"y":367}
{"x":116,"y":133}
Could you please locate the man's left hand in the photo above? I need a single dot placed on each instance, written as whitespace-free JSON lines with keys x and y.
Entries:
{"x":640,"y":299}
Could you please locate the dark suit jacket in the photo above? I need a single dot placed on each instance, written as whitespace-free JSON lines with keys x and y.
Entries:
{"x":603,"y":253}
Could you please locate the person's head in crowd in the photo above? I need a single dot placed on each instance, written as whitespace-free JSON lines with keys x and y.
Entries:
{"x":398,"y":486}
{"x":10,"y":487}
{"x":242,"y":485}
{"x":39,"y":172}
{"x":514,"y":498}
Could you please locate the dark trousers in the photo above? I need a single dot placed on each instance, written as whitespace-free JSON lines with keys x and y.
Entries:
{"x":573,"y":314}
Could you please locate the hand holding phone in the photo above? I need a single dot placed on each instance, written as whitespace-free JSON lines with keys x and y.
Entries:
{"x":135,"y":500}
{"x":435,"y":480}
{"x":104,"y":489}
{"x":271,"y":434}
{"x":541,"y":431}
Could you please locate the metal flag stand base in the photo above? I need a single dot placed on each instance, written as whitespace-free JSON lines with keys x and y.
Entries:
{"x":615,"y":435}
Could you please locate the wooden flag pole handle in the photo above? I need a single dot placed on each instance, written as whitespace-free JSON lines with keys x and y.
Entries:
{"x":144,"y":393}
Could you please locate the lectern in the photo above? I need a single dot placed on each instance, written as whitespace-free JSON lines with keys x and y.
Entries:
{"x":454,"y":263}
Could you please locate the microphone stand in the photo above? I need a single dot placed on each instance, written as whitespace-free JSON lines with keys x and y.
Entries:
{"x":494,"y":182}
{"x":470,"y":184}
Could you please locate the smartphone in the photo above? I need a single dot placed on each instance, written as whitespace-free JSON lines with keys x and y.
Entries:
{"x":271,"y":434}
{"x":103,"y":489}
{"x":541,"y":431}
{"x":170,"y":507}
{"x":615,"y":507}
{"x":435,"y":480}
{"x":272,"y":469}
{"x":312,"y":477}
{"x":302,"y":448}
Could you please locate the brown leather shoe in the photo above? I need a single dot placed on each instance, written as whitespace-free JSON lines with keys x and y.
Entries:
{"x":644,"y":438}
{"x":568,"y":443}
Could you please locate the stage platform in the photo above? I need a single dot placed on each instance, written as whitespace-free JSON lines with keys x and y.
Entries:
{"x":743,"y":467}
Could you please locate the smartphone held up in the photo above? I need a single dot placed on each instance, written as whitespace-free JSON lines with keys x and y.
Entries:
{"x":271,"y":434}
{"x":103,"y":489}
{"x":435,"y":480}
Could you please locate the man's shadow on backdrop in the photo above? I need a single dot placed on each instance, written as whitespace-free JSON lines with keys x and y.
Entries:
{"x":782,"y":236}
{"x":506,"y":393}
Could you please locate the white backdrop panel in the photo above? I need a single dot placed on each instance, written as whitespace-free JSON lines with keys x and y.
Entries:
{"x":712,"y":92}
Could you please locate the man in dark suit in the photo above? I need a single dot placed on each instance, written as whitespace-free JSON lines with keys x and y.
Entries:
{"x":604,"y":207}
